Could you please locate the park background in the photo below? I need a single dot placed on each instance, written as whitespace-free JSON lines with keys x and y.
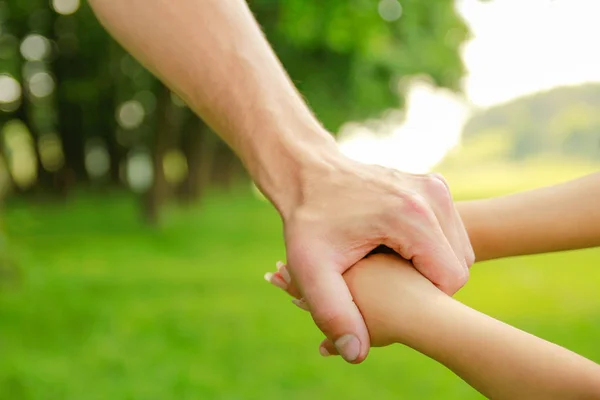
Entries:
{"x":133,"y":244}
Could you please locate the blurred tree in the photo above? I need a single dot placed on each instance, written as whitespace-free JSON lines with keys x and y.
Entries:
{"x":199,"y":145}
{"x":349,"y":57}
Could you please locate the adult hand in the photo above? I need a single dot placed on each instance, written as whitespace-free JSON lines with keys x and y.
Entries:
{"x":343,"y":211}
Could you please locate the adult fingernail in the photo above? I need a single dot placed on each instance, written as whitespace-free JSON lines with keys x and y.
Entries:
{"x":274,"y":280}
{"x":279,"y":265}
{"x":301,"y":304}
{"x":323,"y":351}
{"x":349,"y":347}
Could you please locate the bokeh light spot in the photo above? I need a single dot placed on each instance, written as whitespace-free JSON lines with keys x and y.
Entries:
{"x":41,"y":84}
{"x":51,"y":152}
{"x":131,"y":114}
{"x":140,"y":173}
{"x":175,"y":167}
{"x":10,"y":90}
{"x":35,"y":47}
{"x":65,"y":7}
{"x":390,"y":10}
{"x":97,"y":159}
{"x":22,"y":160}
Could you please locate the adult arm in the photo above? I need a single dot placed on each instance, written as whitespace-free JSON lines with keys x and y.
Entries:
{"x":334,"y":211}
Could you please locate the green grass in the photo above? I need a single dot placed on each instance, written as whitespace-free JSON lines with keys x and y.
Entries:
{"x":107,"y":308}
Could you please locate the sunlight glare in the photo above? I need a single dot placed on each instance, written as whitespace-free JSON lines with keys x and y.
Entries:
{"x":521,"y":47}
{"x":433,"y":122}
{"x":517,"y":48}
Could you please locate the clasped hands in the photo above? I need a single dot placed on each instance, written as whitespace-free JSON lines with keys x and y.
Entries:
{"x":342,"y":211}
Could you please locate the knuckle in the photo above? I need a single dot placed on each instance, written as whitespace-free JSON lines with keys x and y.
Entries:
{"x":437,"y":188}
{"x":415,"y":203}
{"x":439,"y":177}
{"x":405,"y":211}
{"x":393,"y":173}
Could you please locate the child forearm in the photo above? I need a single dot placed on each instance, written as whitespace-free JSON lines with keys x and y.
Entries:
{"x":561,"y":217}
{"x":502,"y":362}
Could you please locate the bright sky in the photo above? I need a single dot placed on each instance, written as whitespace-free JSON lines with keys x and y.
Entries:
{"x":518,"y":47}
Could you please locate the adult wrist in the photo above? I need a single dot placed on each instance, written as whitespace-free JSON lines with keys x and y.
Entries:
{"x":286,"y":166}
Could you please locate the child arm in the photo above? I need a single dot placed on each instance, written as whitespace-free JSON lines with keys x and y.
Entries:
{"x":502,"y":362}
{"x":561,"y":217}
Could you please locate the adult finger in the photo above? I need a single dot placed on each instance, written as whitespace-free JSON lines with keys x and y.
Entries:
{"x":463,"y":242}
{"x":432,"y":255}
{"x":442,"y":205}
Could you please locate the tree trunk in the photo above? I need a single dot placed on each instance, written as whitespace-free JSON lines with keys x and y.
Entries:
{"x":225,"y":167}
{"x":169,"y":121}
{"x":200,"y":150}
{"x":157,"y":193}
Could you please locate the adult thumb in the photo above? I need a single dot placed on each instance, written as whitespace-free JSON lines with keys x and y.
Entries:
{"x":333,"y":310}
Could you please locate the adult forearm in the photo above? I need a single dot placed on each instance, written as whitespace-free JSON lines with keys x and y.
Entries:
{"x":214,"y":55}
{"x":561,"y":217}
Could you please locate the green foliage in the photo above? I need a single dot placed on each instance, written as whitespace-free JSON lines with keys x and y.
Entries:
{"x":348,"y":61}
{"x":560,"y":121}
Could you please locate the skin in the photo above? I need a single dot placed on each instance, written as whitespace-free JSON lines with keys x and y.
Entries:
{"x":400,"y":306}
{"x":500,"y":361}
{"x":213,"y":54}
{"x":555,"y":218}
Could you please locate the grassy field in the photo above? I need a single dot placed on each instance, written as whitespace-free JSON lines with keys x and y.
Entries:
{"x":106,"y":308}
